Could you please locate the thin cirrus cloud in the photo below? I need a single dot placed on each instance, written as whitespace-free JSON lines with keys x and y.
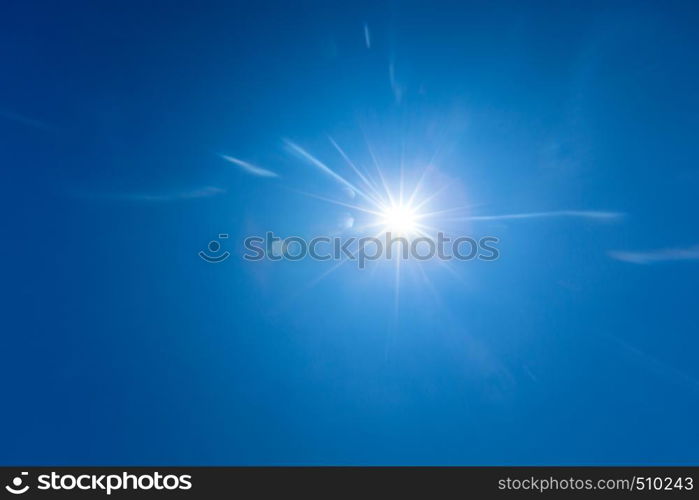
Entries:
{"x":250,"y":168}
{"x":156,"y":197}
{"x":24,"y":120}
{"x":204,"y":192}
{"x":661,"y":368}
{"x":654,"y":256}
{"x":585,"y":214}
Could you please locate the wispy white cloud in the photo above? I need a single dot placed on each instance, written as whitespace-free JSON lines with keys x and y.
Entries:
{"x":661,"y":255}
{"x":367,"y":36}
{"x":396,"y":87}
{"x":24,"y":120}
{"x":205,"y":192}
{"x":250,"y":168}
{"x":192,"y":194}
{"x":585,"y":214}
{"x":657,"y":366}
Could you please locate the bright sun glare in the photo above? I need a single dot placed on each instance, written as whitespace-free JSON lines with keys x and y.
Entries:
{"x":400,"y":220}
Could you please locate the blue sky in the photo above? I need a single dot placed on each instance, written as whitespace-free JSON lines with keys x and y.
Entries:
{"x":119,"y":345}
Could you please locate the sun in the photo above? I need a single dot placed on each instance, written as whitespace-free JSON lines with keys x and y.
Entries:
{"x":399,"y":219}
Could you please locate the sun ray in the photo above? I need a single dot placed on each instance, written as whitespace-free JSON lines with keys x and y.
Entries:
{"x":369,"y":183}
{"x":418,"y":184}
{"x":429,"y":198}
{"x":338,"y":202}
{"x":378,"y":170}
{"x":428,"y":283}
{"x":445,"y":263}
{"x":446,"y":211}
{"x":396,"y":298}
{"x":323,"y":167}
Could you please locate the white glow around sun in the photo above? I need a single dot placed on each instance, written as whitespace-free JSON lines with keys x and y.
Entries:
{"x":400,"y":220}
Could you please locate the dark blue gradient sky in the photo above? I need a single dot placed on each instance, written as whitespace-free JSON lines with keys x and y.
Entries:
{"x":120,"y":346}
